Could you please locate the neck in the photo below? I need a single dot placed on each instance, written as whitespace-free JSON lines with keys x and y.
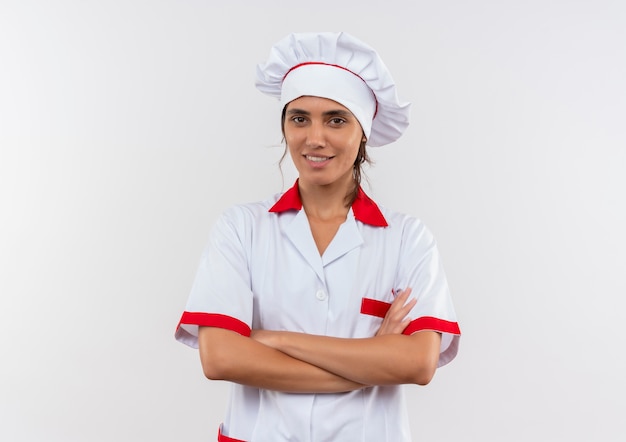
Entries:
{"x":325,"y":202}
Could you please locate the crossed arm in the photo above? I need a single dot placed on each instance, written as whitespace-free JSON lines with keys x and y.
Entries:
{"x":303,"y":363}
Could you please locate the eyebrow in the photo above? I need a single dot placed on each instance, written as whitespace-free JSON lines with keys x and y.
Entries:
{"x":330,"y":113}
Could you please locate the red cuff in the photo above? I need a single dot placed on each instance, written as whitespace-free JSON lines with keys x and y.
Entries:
{"x":215,"y":320}
{"x":222,"y":438}
{"x":430,"y":323}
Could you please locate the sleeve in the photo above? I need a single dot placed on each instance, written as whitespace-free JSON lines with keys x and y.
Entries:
{"x":422,"y":270}
{"x":220,"y":295}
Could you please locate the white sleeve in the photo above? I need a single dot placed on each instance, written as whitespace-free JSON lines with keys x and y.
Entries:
{"x":221,"y":294}
{"x":422,"y":270}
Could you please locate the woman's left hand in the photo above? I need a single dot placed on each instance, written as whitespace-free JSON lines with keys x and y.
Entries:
{"x":396,"y":319}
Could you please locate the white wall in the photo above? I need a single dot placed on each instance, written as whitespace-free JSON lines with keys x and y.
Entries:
{"x":126,"y":127}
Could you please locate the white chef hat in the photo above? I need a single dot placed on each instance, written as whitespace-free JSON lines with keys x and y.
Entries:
{"x":337,"y":66}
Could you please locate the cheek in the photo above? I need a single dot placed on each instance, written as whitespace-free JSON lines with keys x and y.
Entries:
{"x":354,"y":156}
{"x":291,"y":138}
{"x":292,"y":154}
{"x":292,"y":150}
{"x":355,"y":146}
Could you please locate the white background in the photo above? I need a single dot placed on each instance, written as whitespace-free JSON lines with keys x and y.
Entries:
{"x":126,"y":127}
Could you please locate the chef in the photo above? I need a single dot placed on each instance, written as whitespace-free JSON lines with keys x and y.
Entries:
{"x":318,"y":304}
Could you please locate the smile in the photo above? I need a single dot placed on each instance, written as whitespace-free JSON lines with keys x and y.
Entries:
{"x":317,"y":159}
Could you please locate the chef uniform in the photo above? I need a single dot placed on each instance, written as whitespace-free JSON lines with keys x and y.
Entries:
{"x":262,"y":269}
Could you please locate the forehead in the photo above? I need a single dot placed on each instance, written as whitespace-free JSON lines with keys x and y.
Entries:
{"x":315,"y":104}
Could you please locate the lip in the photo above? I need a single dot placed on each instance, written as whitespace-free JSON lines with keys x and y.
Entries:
{"x":317,"y":161}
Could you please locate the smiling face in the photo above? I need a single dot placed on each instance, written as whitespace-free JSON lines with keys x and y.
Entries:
{"x":323,"y":138}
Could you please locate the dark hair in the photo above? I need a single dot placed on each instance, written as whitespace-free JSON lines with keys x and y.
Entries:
{"x":357,"y":169}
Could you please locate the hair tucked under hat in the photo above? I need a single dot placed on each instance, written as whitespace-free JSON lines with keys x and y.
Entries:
{"x":342,"y":68}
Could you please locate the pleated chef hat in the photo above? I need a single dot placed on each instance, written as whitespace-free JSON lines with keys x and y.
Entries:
{"x":337,"y":66}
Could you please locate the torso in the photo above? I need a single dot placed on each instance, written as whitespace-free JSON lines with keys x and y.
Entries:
{"x":324,"y":231}
{"x":290,"y":271}
{"x":327,"y":268}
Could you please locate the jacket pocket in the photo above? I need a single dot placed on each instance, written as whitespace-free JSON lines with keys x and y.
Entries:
{"x":374,"y":307}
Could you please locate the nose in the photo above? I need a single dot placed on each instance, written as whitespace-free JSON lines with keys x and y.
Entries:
{"x":315,"y":135}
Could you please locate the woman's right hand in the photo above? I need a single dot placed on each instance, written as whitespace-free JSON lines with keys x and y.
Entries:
{"x":396,"y":319}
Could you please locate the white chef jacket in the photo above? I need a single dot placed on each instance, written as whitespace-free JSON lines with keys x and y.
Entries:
{"x":262,"y":270}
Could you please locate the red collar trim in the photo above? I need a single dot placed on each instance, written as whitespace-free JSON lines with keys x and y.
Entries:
{"x":364,"y":208}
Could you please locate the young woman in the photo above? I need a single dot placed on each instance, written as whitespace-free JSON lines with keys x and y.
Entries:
{"x":317,"y":304}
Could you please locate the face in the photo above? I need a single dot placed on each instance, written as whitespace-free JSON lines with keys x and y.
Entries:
{"x":323,"y":138}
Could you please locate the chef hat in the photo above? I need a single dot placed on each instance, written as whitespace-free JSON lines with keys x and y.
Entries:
{"x":339,"y":67}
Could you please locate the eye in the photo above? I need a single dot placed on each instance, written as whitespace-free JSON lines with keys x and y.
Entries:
{"x":298,"y":119}
{"x":336,"y":121}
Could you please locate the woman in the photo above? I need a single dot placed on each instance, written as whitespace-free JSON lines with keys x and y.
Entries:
{"x":317,"y":304}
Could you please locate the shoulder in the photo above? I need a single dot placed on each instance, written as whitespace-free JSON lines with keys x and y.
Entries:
{"x":403,"y":221}
{"x":407,"y":231}
{"x":248,"y":214}
{"x":240,"y":223}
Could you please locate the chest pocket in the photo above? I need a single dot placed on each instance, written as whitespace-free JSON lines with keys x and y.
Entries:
{"x":374,"y":307}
